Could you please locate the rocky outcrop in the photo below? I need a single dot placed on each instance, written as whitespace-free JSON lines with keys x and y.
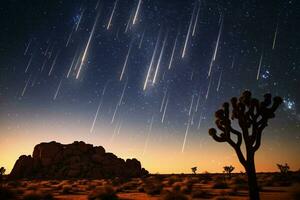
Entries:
{"x":76,"y":160}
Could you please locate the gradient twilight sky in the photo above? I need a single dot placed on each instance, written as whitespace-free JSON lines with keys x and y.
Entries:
{"x":143,"y":77}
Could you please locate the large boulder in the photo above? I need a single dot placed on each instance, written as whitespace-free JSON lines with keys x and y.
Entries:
{"x":76,"y":160}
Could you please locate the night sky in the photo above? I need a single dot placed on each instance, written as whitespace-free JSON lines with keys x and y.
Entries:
{"x":143,"y":78}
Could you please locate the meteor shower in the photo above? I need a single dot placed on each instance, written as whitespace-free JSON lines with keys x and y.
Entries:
{"x":149,"y":99}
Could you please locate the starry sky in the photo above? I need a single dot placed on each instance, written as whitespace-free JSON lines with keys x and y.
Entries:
{"x":143,"y":77}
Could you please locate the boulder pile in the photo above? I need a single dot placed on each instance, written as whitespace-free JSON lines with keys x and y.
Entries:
{"x":77,"y":160}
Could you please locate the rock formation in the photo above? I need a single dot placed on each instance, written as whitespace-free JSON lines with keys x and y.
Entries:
{"x":77,"y":160}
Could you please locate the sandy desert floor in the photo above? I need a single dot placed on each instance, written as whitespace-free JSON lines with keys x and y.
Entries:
{"x":166,"y":187}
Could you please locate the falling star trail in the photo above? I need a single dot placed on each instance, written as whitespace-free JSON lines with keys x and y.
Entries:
{"x":173,"y":51}
{"x":53,"y":64}
{"x":275,"y":37}
{"x":188,"y":34}
{"x":219,"y":81}
{"x":259,"y":66}
{"x":185,"y":135}
{"x":112,"y":15}
{"x":159,"y":59}
{"x":87,"y":45}
{"x":28,"y":64}
{"x":218,"y":39}
{"x":57,"y":90}
{"x":196,"y":19}
{"x":165,"y":110}
{"x":152,"y":61}
{"x":148,"y":135}
{"x":126,"y":60}
{"x":25,"y":87}
{"x":137,"y":12}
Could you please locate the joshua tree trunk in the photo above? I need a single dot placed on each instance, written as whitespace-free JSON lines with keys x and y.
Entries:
{"x":252,"y":181}
{"x":252,"y":116}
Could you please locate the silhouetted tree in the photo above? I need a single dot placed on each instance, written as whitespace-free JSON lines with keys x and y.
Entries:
{"x":284,"y":169}
{"x":228,"y":170}
{"x":252,"y":117}
{"x":2,"y":172}
{"x":194,"y":169}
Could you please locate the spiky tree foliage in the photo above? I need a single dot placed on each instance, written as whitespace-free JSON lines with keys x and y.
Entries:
{"x":252,"y":117}
{"x":194,"y":169}
{"x":228,"y":169}
{"x":284,"y":168}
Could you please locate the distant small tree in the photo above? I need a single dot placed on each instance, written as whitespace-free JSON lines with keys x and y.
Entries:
{"x":284,"y":168}
{"x":194,"y":170}
{"x":228,"y":170}
{"x":2,"y":172}
{"x":252,"y":116}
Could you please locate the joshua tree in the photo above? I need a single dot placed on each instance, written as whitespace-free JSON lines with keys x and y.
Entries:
{"x":252,"y":116}
{"x":228,"y":170}
{"x":194,"y":169}
{"x":2,"y":172}
{"x":284,"y":169}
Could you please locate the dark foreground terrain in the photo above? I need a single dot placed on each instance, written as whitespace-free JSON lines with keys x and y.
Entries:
{"x":168,"y":187}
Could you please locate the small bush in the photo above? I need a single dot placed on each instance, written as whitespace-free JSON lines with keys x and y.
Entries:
{"x":153,"y":188}
{"x":174,"y":196}
{"x":36,"y":195}
{"x":66,"y":189}
{"x":220,"y":185}
{"x":103,"y":193}
{"x":6,"y":193}
{"x":176,"y":186}
{"x":202,"y":194}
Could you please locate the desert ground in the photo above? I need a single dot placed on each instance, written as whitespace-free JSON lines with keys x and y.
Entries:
{"x":154,"y":187}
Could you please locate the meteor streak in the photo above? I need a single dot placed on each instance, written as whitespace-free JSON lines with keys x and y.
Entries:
{"x":218,"y":39}
{"x":166,"y":105}
{"x":71,"y":66}
{"x":275,"y":36}
{"x":208,"y":88}
{"x":27,"y":47}
{"x":53,"y":63}
{"x":148,"y":134}
{"x":25,"y":87}
{"x":136,"y":12}
{"x":188,"y":33}
{"x":98,"y":108}
{"x":151,"y":63}
{"x":112,"y":14}
{"x":233,"y":62}
{"x":159,"y":59}
{"x":219,"y":81}
{"x":185,"y":135}
{"x":87,"y":45}
{"x":173,"y":51}
{"x":29,"y":63}
{"x":197,"y":104}
{"x":163,"y":100}
{"x":80,"y":17}
{"x":196,"y":20}
{"x":191,"y":106}
{"x":259,"y":66}
{"x":57,"y":90}
{"x":142,"y":38}
{"x":126,"y":59}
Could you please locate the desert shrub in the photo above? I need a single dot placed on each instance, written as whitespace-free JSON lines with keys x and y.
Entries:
{"x":37,"y":195}
{"x":172,"y":179}
{"x":104,"y":193}
{"x":201,"y":194}
{"x":220,"y":184}
{"x":66,"y":189}
{"x":186,"y":190}
{"x":206,"y":177}
{"x":174,"y":196}
{"x":176,"y":186}
{"x":14,"y":184}
{"x":6,"y":193}
{"x":222,"y":198}
{"x":153,"y":188}
{"x":141,"y":188}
